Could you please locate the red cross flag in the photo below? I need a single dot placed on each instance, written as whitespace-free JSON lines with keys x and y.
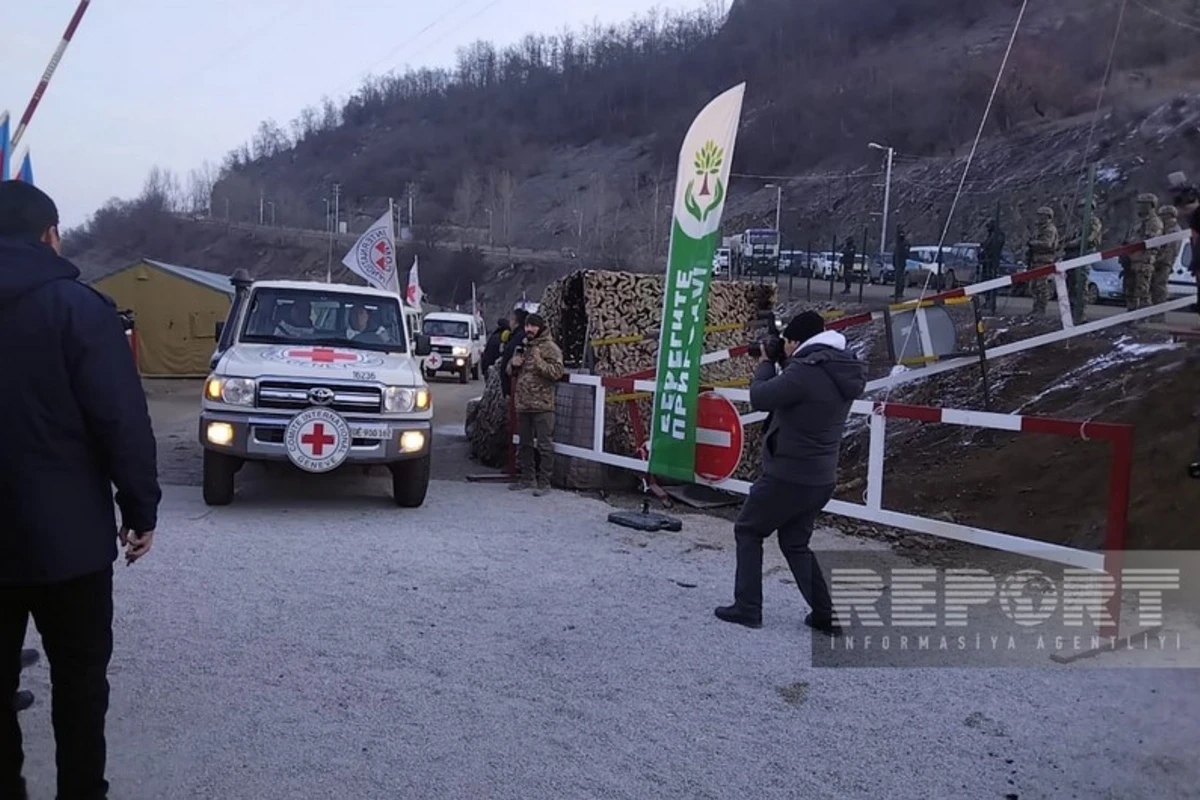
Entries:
{"x":414,"y":295}
{"x":373,"y":257}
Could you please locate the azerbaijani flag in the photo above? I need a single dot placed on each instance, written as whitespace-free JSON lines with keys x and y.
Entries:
{"x":5,"y":155}
{"x":26,"y":171}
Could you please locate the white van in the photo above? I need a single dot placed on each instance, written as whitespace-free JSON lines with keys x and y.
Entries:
{"x":1182,"y":280}
{"x":456,"y":344}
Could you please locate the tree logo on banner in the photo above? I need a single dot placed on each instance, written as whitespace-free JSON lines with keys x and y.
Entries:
{"x":708,"y":162}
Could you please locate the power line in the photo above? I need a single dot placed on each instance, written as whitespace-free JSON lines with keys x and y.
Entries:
{"x":391,"y":53}
{"x":1087,"y":150}
{"x":1189,"y":26}
{"x":970,"y":158}
{"x":800,"y":178}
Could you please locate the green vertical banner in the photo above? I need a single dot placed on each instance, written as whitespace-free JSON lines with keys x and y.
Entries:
{"x":701,"y":187}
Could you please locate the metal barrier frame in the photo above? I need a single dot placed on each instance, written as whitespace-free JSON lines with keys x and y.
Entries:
{"x":1119,"y":436}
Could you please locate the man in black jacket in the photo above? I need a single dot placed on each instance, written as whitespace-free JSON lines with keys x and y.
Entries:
{"x":495,"y":343}
{"x":75,"y":424}
{"x":515,"y":340}
{"x":808,"y":403}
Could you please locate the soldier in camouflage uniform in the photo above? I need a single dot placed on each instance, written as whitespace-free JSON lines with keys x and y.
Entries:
{"x":536,"y":368}
{"x":1043,"y":250}
{"x":1165,"y":257}
{"x":1141,"y":265}
{"x":1077,"y":279}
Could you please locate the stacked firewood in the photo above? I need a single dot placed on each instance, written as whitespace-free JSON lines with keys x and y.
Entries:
{"x":609,"y":321}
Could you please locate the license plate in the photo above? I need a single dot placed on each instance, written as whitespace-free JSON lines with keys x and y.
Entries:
{"x":370,"y":432}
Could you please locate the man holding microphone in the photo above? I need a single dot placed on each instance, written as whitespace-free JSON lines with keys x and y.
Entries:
{"x":808,"y":401}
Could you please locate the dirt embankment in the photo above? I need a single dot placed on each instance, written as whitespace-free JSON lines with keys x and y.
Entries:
{"x":1047,"y":487}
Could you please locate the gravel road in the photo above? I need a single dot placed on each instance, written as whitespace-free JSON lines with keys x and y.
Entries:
{"x":313,"y":641}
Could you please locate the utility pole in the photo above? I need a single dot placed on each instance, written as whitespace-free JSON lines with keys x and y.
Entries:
{"x":887,"y":193}
{"x":272,"y":205}
{"x":778,"y":204}
{"x":337,"y":191}
{"x":262,"y":198}
{"x":412,"y":192}
{"x":1079,"y":274}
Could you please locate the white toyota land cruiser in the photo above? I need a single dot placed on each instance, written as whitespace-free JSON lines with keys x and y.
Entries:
{"x":320,"y":375}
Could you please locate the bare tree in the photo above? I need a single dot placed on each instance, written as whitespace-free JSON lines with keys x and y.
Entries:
{"x":269,"y":141}
{"x":503,"y":190}
{"x":200,"y":188}
{"x":161,"y":191}
{"x":466,"y":200}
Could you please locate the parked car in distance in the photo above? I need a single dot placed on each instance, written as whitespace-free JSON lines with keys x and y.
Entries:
{"x":914,"y":272}
{"x":1104,"y":282}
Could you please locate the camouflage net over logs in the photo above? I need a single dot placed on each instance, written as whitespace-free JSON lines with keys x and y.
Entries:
{"x":619,"y":314}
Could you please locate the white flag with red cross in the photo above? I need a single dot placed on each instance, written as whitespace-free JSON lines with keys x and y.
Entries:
{"x":373,"y":257}
{"x":414,"y":295}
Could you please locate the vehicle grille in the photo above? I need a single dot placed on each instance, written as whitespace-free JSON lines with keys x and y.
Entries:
{"x":443,"y":349}
{"x":346,"y":399}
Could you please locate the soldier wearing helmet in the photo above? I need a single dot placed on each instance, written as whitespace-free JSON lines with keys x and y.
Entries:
{"x":1164,"y":259}
{"x":1043,"y":250}
{"x":1140,"y":269}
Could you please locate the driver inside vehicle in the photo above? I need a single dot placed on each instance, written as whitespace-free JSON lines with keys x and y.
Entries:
{"x":361,"y":327}
{"x":298,"y":322}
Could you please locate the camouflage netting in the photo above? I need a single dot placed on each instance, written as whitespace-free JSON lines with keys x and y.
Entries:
{"x":596,"y":306}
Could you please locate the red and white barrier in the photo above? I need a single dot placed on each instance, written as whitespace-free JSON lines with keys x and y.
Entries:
{"x":1119,"y":436}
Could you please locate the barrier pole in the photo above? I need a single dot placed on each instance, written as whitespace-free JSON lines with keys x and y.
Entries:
{"x":1120,"y":478}
{"x":512,"y":433}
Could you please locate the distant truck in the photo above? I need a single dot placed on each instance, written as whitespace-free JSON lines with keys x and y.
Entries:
{"x":319,"y":375}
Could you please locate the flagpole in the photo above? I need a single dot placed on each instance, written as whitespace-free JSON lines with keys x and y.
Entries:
{"x":76,"y":18}
{"x":395,"y":254}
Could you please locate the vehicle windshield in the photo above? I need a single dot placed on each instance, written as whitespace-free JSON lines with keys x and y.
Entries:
{"x":1107,"y":265}
{"x":306,"y":316}
{"x":451,"y":329}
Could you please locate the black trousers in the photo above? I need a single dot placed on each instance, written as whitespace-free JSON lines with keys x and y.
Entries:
{"x":775,"y":505}
{"x":75,"y":623}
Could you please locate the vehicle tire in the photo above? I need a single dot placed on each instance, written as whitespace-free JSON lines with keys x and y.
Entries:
{"x":219,"y":470}
{"x":1093,"y":295}
{"x":950,"y":281}
{"x":429,"y":374}
{"x":462,"y":374}
{"x":410,"y":482}
{"x":474,"y":372}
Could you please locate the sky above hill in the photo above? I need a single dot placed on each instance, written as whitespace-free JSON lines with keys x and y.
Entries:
{"x":175,"y":82}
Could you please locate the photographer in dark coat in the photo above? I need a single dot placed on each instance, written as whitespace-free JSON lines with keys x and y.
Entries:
{"x":808,"y":401}
{"x":76,"y":424}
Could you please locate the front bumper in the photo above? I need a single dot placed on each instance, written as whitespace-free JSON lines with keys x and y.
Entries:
{"x":259,"y":436}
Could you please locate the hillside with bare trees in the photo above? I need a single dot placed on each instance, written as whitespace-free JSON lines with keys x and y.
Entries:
{"x":569,"y":141}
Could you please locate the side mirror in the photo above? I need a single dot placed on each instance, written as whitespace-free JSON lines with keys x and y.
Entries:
{"x":220,"y":326}
{"x":422,"y":347}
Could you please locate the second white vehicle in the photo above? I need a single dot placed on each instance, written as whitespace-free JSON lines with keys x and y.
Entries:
{"x":456,"y":341}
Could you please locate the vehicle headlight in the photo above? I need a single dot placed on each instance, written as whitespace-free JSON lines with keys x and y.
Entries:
{"x":461,"y":351}
{"x":234,"y":391}
{"x":401,"y":399}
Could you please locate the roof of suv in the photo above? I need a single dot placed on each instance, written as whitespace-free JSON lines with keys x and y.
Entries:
{"x":321,"y":286}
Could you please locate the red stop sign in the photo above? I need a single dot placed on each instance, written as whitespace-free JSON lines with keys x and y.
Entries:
{"x":718,"y":437}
